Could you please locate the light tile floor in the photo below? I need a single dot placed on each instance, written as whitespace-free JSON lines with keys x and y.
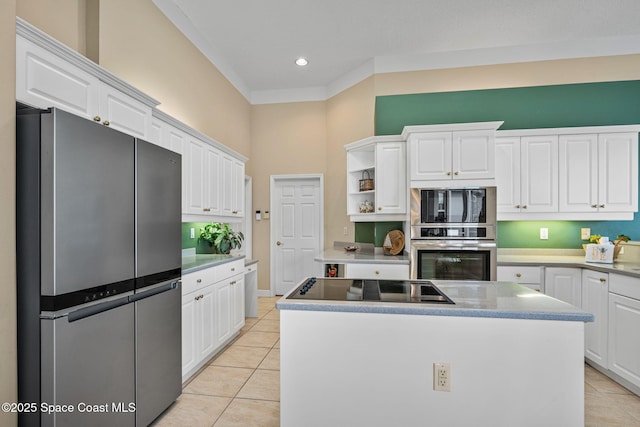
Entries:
{"x":241,"y":386}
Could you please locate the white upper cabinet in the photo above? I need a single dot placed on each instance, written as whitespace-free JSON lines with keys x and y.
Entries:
{"x":578,"y":158}
{"x":50,"y":74}
{"x":598,"y":172}
{"x":539,"y":173}
{"x":526,"y":174}
{"x":581,"y":173}
{"x":122,"y":112}
{"x":440,"y":154}
{"x":390,"y":178}
{"x":618,"y":172}
{"x":377,"y":179}
{"x":45,"y":80}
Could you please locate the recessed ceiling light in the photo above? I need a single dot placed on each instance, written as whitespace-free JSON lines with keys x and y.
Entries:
{"x":302,"y":62}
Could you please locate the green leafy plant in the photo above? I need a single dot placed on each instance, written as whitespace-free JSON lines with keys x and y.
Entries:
{"x":594,"y":238}
{"x":621,"y":238}
{"x":221,"y":237}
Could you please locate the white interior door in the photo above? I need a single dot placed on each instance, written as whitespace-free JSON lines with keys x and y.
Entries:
{"x":297,"y":214}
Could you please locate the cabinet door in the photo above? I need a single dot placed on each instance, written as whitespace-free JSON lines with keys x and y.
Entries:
{"x":539,"y":166}
{"x":195,"y":176}
{"x":474,"y":154}
{"x":44,"y":80}
{"x":213,"y":184}
{"x":531,"y":277}
{"x":618,"y":172}
{"x":624,"y":340}
{"x":227,"y":185}
{"x":237,"y":195}
{"x":578,"y":173}
{"x":595,"y":293}
{"x":238,"y":305}
{"x":508,"y":174}
{"x":207,"y":321}
{"x":223,"y":311}
{"x":190,"y":331}
{"x":122,"y":112}
{"x":430,"y":156}
{"x":564,"y":284}
{"x":157,"y":134}
{"x":391,"y":182}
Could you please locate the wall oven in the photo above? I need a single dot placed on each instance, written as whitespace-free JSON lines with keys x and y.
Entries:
{"x":453,"y":233}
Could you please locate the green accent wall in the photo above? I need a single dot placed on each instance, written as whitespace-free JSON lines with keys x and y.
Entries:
{"x":188,"y":242}
{"x":588,"y":104}
{"x":374,"y":232}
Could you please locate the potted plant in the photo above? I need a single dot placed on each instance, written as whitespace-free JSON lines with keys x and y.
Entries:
{"x":220,"y":238}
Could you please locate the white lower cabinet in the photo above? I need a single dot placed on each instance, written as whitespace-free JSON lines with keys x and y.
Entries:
{"x":624,"y":323}
{"x":595,"y":295}
{"x":197,"y":328}
{"x":531,"y":277}
{"x":212,"y":312}
{"x":376,"y":271}
{"x":564,"y":284}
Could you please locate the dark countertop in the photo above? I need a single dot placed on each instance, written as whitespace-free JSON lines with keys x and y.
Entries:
{"x":503,"y":300}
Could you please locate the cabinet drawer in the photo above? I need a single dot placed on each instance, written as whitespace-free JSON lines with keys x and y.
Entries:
{"x":377,"y":271}
{"x":624,"y":285}
{"x":529,"y":275}
{"x":228,"y":269}
{"x":193,"y":281}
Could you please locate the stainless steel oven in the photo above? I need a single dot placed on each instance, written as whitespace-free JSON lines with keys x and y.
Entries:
{"x":453,"y":233}
{"x":454,"y":259}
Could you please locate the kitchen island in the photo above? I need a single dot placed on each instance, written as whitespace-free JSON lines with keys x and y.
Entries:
{"x":515,"y":357}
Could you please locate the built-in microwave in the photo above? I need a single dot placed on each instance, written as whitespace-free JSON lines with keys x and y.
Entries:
{"x":453,"y":213}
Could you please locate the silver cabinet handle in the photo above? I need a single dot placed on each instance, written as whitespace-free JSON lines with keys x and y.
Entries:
{"x":97,"y":119}
{"x":206,"y":209}
{"x":106,"y":123}
{"x":448,"y":173}
{"x":199,"y":281}
{"x":518,"y":275}
{"x":232,"y":283}
{"x":594,"y":206}
{"x":602,"y":206}
{"x":233,"y":269}
{"x":517,"y":206}
{"x":524,"y":207}
{"x":279,"y":243}
{"x":602,"y":280}
{"x":456,"y":173}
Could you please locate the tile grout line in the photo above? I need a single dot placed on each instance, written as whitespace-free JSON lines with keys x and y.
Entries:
{"x":253,"y":371}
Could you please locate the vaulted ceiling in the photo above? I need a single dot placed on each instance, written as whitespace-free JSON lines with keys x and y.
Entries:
{"x":254,"y":43}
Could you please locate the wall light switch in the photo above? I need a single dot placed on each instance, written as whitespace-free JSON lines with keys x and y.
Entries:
{"x":544,"y":234}
{"x":585,"y":233}
{"x":266,"y":215}
{"x":192,"y":233}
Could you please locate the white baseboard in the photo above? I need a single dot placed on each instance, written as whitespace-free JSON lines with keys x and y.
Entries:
{"x":265,"y":293}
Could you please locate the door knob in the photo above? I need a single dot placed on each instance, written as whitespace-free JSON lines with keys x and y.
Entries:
{"x":279,"y":243}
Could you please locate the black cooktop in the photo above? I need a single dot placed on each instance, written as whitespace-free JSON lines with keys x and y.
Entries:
{"x":335,"y":289}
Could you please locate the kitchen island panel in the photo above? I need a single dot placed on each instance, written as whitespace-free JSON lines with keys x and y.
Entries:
{"x":345,"y":368}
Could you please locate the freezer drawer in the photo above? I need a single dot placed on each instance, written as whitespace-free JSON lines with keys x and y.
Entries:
{"x":158,"y":350}
{"x":90,"y":361}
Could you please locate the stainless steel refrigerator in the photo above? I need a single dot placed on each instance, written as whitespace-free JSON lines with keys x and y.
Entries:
{"x":99,"y":264}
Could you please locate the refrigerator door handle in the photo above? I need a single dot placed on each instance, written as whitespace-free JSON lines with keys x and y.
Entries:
{"x":96,"y":309}
{"x":160,"y":289}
